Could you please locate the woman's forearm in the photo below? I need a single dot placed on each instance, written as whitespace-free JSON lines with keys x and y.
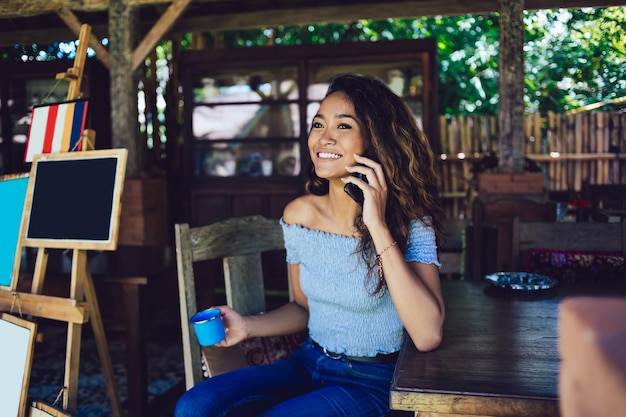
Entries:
{"x":287,"y":319}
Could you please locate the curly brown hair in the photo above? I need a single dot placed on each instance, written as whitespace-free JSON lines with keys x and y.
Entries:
{"x":393,"y":139}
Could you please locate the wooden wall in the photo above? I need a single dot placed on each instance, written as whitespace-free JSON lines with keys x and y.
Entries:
{"x":570,"y":149}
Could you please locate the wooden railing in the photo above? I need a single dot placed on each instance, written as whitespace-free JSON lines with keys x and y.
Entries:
{"x":570,"y":149}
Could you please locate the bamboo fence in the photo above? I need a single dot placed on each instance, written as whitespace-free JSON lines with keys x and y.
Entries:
{"x":571,"y":149}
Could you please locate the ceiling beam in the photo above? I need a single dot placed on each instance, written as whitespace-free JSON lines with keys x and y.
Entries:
{"x":75,"y":26}
{"x":271,"y":18}
{"x":20,"y":8}
{"x":157,"y":32}
{"x":377,"y":11}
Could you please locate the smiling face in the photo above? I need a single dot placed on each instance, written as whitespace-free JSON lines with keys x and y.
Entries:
{"x":336,"y":135}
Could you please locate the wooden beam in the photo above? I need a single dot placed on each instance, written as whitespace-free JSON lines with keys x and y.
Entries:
{"x":124,"y":85}
{"x":271,"y":17}
{"x":18,"y":8}
{"x":158,"y":31}
{"x":74,"y":24}
{"x":21,"y":8}
{"x":366,"y":10}
{"x":50,"y":307}
{"x":511,"y":88}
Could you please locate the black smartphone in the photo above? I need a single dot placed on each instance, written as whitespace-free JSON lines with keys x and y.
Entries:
{"x":354,"y":191}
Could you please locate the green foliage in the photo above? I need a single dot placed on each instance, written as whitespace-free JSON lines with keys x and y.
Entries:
{"x":575,"y":58}
{"x":468,"y":59}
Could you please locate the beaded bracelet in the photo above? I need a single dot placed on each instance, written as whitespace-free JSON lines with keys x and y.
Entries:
{"x":379,"y":261}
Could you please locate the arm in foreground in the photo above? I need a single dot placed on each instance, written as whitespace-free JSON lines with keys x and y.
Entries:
{"x":415,"y":289}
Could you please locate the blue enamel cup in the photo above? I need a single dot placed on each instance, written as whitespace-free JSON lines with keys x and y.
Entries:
{"x":208,"y":326}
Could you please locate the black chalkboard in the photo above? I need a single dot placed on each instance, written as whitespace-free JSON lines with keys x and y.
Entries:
{"x":73,"y":200}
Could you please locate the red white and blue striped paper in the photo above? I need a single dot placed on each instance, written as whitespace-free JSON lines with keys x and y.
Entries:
{"x":56,"y":128}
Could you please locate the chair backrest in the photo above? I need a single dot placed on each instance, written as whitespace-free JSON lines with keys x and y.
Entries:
{"x":240,"y":243}
{"x":497,"y":216}
{"x":586,"y":237}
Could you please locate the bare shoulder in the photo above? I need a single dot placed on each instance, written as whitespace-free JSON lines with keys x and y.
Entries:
{"x":301,"y":210}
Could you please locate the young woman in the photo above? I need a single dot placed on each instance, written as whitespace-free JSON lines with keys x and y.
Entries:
{"x":362,"y":276}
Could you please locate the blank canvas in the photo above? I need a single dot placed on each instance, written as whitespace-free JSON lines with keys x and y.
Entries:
{"x":12,"y":195}
{"x":16,"y":354}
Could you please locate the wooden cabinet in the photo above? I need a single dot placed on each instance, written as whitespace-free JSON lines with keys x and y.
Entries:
{"x":247,"y":113}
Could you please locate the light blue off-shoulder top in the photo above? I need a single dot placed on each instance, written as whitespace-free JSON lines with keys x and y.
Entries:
{"x":343,"y":316}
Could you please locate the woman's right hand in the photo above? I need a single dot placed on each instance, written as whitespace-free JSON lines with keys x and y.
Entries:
{"x":235,"y":325}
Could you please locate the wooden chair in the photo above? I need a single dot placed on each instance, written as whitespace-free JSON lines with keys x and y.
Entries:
{"x":489,"y":243}
{"x":586,"y":237}
{"x":239,"y":242}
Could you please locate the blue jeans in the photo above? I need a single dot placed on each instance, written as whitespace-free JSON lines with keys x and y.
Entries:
{"x":307,"y":384}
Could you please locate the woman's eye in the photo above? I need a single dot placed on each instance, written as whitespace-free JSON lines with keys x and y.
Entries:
{"x":316,"y":125}
{"x":344,"y":126}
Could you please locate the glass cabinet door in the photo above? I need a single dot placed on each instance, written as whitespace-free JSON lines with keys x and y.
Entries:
{"x":246,"y":122}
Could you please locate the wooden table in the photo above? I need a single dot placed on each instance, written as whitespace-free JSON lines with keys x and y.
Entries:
{"x":499,"y":357}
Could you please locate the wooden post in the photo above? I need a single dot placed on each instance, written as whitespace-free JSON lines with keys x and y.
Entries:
{"x":123,"y":83}
{"x":511,"y":111}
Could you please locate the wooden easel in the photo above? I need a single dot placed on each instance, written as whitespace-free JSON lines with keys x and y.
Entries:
{"x":82,"y":303}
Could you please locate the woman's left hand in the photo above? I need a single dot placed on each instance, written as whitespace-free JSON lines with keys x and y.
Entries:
{"x":374,"y":190}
